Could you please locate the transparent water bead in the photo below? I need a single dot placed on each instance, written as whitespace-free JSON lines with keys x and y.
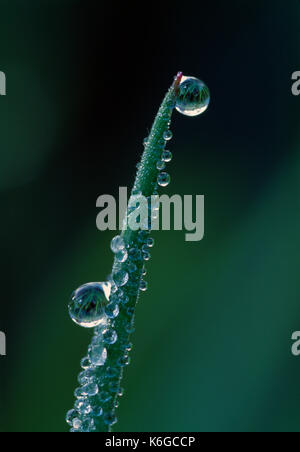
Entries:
{"x":87,"y":376}
{"x":124,"y":361}
{"x":150,"y":242}
{"x":83,"y":407}
{"x":112,"y":310}
{"x":121,"y":278}
{"x":78,"y":393}
{"x":71,"y":415}
{"x":168,"y":135}
{"x":122,"y":255}
{"x":85,"y":363}
{"x":117,"y":244}
{"x":163,"y":179}
{"x":87,"y":305}
{"x":143,"y":286}
{"x":193,"y":97}
{"x":77,"y":423}
{"x":167,"y":156}
{"x":98,"y":355}
{"x":160,"y":165}
{"x":90,"y":389}
{"x":110,"y":337}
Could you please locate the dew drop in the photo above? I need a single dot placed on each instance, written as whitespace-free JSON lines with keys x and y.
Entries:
{"x":85,"y":363}
{"x":82,"y":378}
{"x":167,"y":156}
{"x":76,"y":423}
{"x":83,"y":407}
{"x":71,"y":415}
{"x":163,"y":179}
{"x":130,"y":310}
{"x":160,"y":165}
{"x":193,"y":97}
{"x":120,"y":278}
{"x":143,"y":286}
{"x":98,"y":355}
{"x":142,"y":236}
{"x":117,"y":244}
{"x":87,"y":304}
{"x":168,"y":135}
{"x":110,"y":337}
{"x":122,"y":255}
{"x":150,"y":242}
{"x":90,"y":389}
{"x":124,"y":361}
{"x":146,"y":256}
{"x":78,"y":393}
{"x":135,"y":254}
{"x":112,"y":310}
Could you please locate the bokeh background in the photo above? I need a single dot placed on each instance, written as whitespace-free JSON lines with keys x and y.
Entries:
{"x":212,"y":348}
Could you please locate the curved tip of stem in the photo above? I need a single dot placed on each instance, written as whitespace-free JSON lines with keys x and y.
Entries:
{"x":177,"y":80}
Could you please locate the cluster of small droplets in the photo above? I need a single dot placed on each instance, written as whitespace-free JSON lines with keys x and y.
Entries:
{"x":90,"y":395}
{"x":163,"y":178}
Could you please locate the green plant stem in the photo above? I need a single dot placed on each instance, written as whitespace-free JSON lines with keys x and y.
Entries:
{"x":145,"y":184}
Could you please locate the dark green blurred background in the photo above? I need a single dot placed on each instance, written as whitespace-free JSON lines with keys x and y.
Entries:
{"x":213,"y":333}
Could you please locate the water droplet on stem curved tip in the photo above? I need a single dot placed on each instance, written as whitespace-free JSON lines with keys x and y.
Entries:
{"x":193,"y":97}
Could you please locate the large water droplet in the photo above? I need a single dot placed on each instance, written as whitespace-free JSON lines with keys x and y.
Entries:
{"x":87,"y":305}
{"x":193,"y":97}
